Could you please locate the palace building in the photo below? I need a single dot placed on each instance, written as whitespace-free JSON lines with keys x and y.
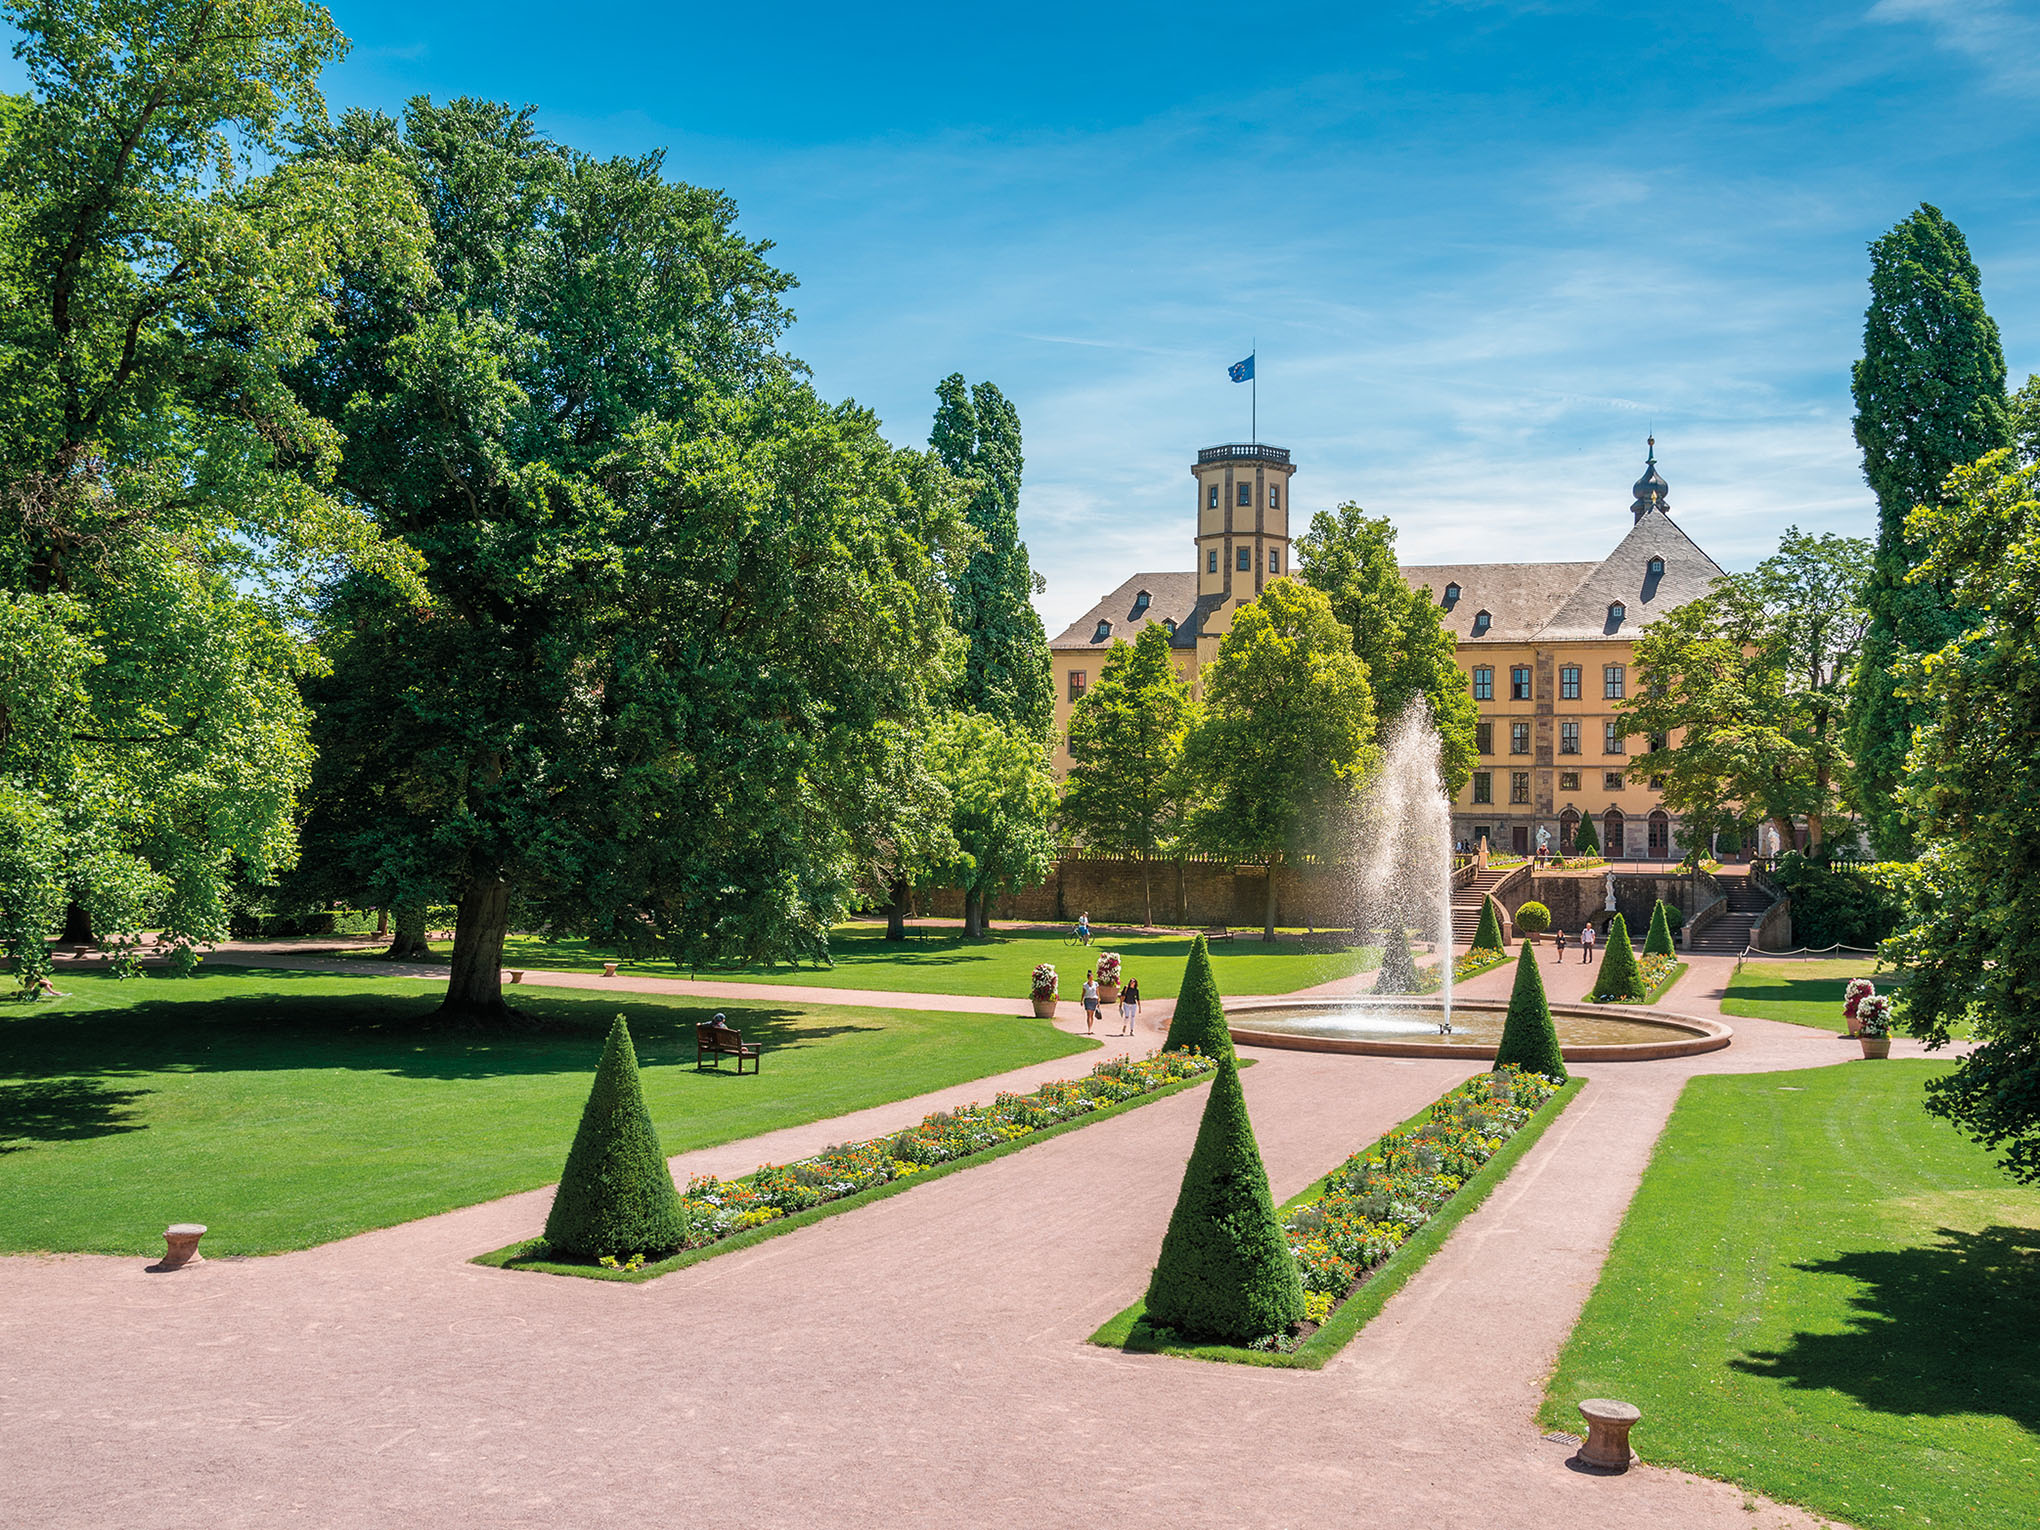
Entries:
{"x":1546,"y":648}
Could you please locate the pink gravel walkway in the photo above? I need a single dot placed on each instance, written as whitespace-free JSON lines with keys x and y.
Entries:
{"x":917,"y":1362}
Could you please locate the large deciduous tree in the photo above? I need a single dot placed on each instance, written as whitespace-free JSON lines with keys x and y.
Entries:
{"x":1124,"y":794}
{"x":164,"y":497}
{"x":1930,"y":396}
{"x":686,"y":618}
{"x":1972,"y":946}
{"x":1745,"y":690}
{"x":1006,"y":671}
{"x":1002,"y":807}
{"x":1287,"y":734}
{"x":1399,"y":633}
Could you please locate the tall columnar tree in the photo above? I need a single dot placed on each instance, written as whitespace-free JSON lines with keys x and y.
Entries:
{"x":163,"y":496}
{"x":1399,"y":633}
{"x":1930,"y":396}
{"x":616,"y":1195}
{"x":686,"y":620}
{"x":1585,"y":840}
{"x":1620,"y":977}
{"x":1006,"y":670}
{"x":1225,"y":1271}
{"x":1002,"y":806}
{"x":1286,"y":739}
{"x":1974,"y":783}
{"x":1489,"y":937}
{"x":1746,"y":689}
{"x":1398,"y":968}
{"x":1199,"y":1019}
{"x":1529,"y":1039}
{"x":1124,"y":794}
{"x":1659,"y":941}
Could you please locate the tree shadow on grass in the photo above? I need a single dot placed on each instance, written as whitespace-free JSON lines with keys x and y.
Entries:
{"x":64,"y":1110}
{"x":1939,"y":1330}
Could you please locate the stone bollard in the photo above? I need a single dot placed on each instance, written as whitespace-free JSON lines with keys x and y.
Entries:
{"x":180,"y":1246}
{"x":1606,"y":1446}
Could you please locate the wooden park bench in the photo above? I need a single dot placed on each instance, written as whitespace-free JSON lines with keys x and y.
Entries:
{"x":715,"y":1041}
{"x":1216,"y":932}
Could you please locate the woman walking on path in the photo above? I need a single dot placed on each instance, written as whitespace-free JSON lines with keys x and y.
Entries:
{"x":1559,"y":937}
{"x":1129,"y":1003}
{"x":1090,"y":1002}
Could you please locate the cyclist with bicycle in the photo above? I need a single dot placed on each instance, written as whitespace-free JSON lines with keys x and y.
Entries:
{"x":1084,"y":928}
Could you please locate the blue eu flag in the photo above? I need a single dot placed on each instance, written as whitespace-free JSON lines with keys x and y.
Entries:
{"x":1241,"y":371}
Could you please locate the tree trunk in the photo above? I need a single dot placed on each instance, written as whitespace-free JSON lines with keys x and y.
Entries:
{"x":382,"y":923}
{"x":408,"y":943}
{"x":1268,"y":925}
{"x":1147,"y":892}
{"x":77,"y":926}
{"x":474,"y":989}
{"x":973,"y":914}
{"x":896,"y":915}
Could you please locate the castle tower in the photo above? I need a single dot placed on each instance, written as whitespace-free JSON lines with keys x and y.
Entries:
{"x":1242,"y":520}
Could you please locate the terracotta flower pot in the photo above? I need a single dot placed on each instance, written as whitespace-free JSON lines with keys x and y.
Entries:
{"x":1875,"y":1046}
{"x":1108,"y":993}
{"x":1855,"y":1026}
{"x":1044,"y":1006}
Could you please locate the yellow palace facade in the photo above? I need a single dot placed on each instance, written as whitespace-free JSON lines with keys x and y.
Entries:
{"x":1547,"y":649}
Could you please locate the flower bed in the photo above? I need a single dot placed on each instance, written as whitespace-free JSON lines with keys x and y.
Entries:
{"x":1657,"y":971}
{"x":1480,"y":959}
{"x":720,"y":1210}
{"x":1374,"y":1200}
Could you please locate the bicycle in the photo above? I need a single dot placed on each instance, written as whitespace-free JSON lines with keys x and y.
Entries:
{"x":1076,"y":937}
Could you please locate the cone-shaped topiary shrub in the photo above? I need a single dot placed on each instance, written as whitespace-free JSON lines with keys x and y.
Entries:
{"x":1398,"y":968}
{"x":1489,"y":936}
{"x":616,"y":1195}
{"x":1225,"y":1272}
{"x":1529,"y":1039}
{"x":1659,"y":940}
{"x":1200,"y":1017}
{"x":1619,"y":977}
{"x":1586,"y":841}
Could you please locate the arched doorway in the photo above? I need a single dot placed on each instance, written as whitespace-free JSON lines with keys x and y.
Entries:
{"x":1568,"y":830}
{"x":1611,"y":834}
{"x":1660,"y":835}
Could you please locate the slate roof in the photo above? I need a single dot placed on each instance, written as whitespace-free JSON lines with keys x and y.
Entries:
{"x":1172,"y":595}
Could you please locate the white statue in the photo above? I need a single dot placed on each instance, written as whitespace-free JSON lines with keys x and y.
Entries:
{"x":1611,"y":890}
{"x":1543,"y":840}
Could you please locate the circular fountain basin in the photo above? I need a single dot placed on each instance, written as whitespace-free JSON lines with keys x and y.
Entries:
{"x":1409,"y":1028}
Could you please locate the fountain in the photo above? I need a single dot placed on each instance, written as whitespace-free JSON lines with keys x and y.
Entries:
{"x":1403,"y":850}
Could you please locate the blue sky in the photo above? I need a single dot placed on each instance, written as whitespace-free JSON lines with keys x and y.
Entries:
{"x":1483,"y":248}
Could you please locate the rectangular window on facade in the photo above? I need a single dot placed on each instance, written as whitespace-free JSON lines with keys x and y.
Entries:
{"x":1484,"y":737}
{"x":1274,"y":497}
{"x":1211,"y":564}
{"x":1483,"y":786}
{"x":1519,"y":738}
{"x":1246,"y":496}
{"x":1611,"y":738}
{"x":1076,"y":683}
{"x":1611,"y":780}
{"x":1658,"y":741}
{"x":1483,"y":684}
{"x":1274,"y":561}
{"x":1568,"y":780}
{"x":1246,"y":560}
{"x":1568,"y":737}
{"x":1214,"y":496}
{"x":1569,"y":682}
{"x":1519,"y":683}
{"x":1611,"y":682}
{"x":1519,"y":787}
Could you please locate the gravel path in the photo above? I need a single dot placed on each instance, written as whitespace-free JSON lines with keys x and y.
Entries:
{"x":917,"y":1362}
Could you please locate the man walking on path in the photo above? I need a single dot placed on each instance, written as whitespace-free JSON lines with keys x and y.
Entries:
{"x":1587,"y":943}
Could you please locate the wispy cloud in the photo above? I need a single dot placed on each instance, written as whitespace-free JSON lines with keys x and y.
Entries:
{"x":2002,"y":41}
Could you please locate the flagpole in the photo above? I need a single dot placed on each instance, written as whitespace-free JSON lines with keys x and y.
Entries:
{"x":1255,"y":416}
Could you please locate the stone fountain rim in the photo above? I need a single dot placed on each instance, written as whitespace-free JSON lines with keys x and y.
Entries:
{"x":1700,"y":1035}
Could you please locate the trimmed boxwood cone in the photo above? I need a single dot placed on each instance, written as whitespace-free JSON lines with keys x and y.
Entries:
{"x":1489,"y":936}
{"x":1619,"y":977}
{"x":1398,"y":968}
{"x":1225,"y":1271}
{"x":1585,"y":840}
{"x":1200,"y":1018}
{"x":1659,"y":941}
{"x":616,"y":1195}
{"x":1529,"y":1039}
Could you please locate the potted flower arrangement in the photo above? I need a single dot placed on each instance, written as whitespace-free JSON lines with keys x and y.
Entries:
{"x":1873,"y":1017}
{"x":1108,"y":978}
{"x":1858,"y":990}
{"x":1044,"y":990}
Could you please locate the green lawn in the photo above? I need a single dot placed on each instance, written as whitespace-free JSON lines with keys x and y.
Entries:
{"x":942,"y":961}
{"x":1826,"y":1295}
{"x":1803,"y":992}
{"x":286,"y":1109}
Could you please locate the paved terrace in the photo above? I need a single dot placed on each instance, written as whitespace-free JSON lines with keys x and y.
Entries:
{"x":917,"y":1362}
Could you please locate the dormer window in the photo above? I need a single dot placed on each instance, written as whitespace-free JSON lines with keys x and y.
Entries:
{"x":1451,"y":596}
{"x":1480,"y":622}
{"x":1104,"y":631}
{"x":1140,"y":603}
{"x":1615,"y":613}
{"x":1655,"y":569}
{"x":1169,"y":625}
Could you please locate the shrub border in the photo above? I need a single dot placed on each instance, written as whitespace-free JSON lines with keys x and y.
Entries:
{"x":1124,"y":1332}
{"x":528,"y":1255}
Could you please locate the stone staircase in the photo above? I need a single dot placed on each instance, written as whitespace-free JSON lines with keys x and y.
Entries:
{"x":1732,"y":931}
{"x":1466,"y":901}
